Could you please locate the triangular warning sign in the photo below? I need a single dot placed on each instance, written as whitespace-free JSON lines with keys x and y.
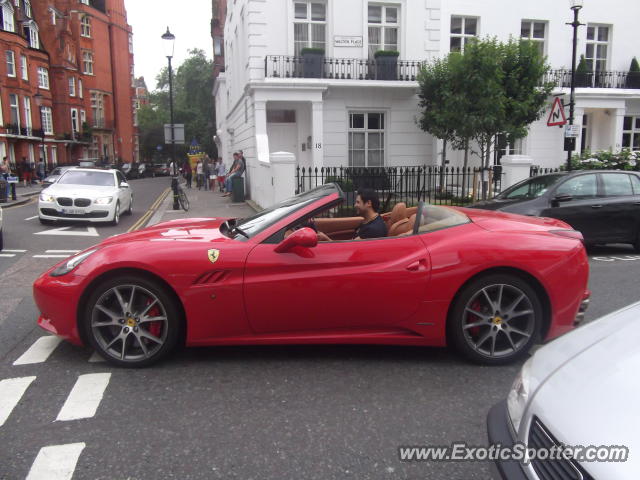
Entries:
{"x":557,"y":116}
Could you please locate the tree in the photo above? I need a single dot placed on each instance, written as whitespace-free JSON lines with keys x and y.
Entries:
{"x":192,"y":105}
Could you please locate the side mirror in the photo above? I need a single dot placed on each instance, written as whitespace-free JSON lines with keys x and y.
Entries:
{"x":304,"y":237}
{"x":124,"y":185}
{"x":563,"y":197}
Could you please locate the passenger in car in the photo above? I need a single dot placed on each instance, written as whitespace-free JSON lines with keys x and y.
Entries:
{"x":367,"y":206}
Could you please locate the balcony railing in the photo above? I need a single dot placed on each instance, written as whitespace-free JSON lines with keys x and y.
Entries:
{"x":601,"y":79}
{"x":282,"y":66}
{"x":13,"y":129}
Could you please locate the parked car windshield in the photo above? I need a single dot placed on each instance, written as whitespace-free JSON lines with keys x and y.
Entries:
{"x":530,"y":188}
{"x":78,"y":177}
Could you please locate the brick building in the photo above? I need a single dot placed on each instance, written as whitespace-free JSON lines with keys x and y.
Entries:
{"x":67,"y":78}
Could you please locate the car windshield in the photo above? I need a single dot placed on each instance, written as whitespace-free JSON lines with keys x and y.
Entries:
{"x":530,"y":188}
{"x":251,"y":226}
{"x":79,"y":177}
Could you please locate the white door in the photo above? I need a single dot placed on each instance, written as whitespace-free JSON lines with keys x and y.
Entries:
{"x":283,"y":137}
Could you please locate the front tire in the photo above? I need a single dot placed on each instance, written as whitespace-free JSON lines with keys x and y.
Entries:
{"x":131,"y":321}
{"x":116,"y":215}
{"x":130,"y":209}
{"x":496,"y":319}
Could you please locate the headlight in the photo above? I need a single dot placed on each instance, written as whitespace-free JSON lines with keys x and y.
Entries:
{"x":45,"y":197}
{"x":72,"y":263}
{"x":519,"y":395}
{"x":103,"y":200}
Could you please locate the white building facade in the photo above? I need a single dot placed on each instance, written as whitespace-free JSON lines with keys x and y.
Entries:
{"x":349,"y":110}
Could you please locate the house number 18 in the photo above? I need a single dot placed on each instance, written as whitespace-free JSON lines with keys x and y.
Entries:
{"x":318,"y":146}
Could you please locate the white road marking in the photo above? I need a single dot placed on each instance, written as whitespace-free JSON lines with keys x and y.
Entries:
{"x":56,"y":462}
{"x":11,"y":391}
{"x":12,"y":251}
{"x":91,"y":232}
{"x":7,"y":255}
{"x":50,"y":256}
{"x":96,"y":358}
{"x":31,"y":218}
{"x":63,"y":251}
{"x":39,"y":351}
{"x":85,"y":397}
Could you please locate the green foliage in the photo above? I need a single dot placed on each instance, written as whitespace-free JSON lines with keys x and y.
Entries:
{"x":386,"y":53}
{"x":345,"y":184}
{"x":635,"y":66}
{"x":606,"y":160}
{"x":192,"y":105}
{"x":317,"y":51}
{"x":582,"y":68}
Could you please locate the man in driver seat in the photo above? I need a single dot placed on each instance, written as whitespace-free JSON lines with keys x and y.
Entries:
{"x":367,"y":206}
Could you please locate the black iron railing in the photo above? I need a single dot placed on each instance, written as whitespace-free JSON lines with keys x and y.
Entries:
{"x":602,"y":79}
{"x":282,"y":66}
{"x":431,"y":184}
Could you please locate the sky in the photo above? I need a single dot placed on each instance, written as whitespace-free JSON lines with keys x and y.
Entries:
{"x":149,"y":20}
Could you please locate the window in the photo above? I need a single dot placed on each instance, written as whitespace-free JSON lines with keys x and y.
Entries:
{"x":130,"y":43}
{"x":87,"y":62}
{"x":27,"y":8}
{"x":463,"y":30}
{"x":85,"y":26}
{"x":534,"y":31}
{"x":32,"y":154}
{"x":84,"y":2}
{"x":383,"y":28}
{"x":27,"y":115}
{"x":24,"y":66}
{"x":506,"y":146}
{"x":43,"y":78}
{"x":631,"y":133}
{"x":97,"y":109}
{"x":582,"y":186}
{"x":80,"y":92}
{"x":11,"y":64}
{"x":309,"y":27}
{"x":47,"y":120}
{"x":30,"y":30}
{"x":54,"y":156}
{"x":281,"y":116}
{"x":75,"y":127}
{"x":53,"y":16}
{"x":366,"y":139}
{"x":617,"y":184}
{"x":597,"y":47}
{"x":15,"y":109}
{"x":7,"y":17}
{"x":72,"y":86}
{"x":83,"y":117}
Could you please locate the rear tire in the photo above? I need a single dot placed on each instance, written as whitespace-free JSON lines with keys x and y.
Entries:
{"x":495,"y":320}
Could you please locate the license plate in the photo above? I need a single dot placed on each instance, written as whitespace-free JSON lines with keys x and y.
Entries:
{"x":73,"y":211}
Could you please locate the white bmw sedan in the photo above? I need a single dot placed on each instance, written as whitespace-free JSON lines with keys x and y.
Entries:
{"x":88,"y":195}
{"x":574,"y":407}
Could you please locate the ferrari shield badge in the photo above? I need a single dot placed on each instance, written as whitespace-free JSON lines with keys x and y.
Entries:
{"x":213,"y":255}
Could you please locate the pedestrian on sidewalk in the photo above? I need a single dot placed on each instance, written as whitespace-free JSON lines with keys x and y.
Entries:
{"x":221,"y":172}
{"x":199,"y":174}
{"x":25,"y":171}
{"x":188,"y":173}
{"x":4,"y":171}
{"x":41,"y":170}
{"x":237,"y":169}
{"x":205,"y":171}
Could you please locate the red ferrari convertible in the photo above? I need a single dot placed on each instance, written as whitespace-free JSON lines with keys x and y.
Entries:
{"x":489,"y":284}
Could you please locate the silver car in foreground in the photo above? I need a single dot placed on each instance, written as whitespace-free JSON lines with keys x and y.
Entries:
{"x":578,"y":397}
{"x":88,"y":195}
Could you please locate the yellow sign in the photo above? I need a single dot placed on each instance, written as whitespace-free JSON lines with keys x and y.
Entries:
{"x":213,"y":255}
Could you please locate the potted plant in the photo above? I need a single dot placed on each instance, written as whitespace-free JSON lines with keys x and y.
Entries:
{"x":583,"y":75}
{"x":386,"y":64}
{"x":313,"y":62}
{"x":633,"y":77}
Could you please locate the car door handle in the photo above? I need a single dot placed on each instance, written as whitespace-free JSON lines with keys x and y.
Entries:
{"x":596,"y":206}
{"x":418,"y":265}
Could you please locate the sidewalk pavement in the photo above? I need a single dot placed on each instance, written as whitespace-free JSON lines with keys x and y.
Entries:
{"x":203,"y":203}
{"x":23,"y":195}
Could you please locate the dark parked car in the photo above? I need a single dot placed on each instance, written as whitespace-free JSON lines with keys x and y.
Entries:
{"x":54,"y":175}
{"x":602,"y":204}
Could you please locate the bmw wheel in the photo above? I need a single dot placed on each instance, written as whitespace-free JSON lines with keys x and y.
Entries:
{"x":131,"y":321}
{"x":116,"y":215}
{"x":496,"y":319}
{"x":130,"y":209}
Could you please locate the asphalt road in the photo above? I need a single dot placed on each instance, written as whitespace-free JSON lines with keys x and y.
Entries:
{"x":325,"y":412}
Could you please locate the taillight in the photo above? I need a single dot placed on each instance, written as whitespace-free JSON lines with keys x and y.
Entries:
{"x":576,"y":235}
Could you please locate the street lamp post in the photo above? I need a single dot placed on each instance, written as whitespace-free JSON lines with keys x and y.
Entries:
{"x":38,"y":98}
{"x":168,"y":40}
{"x":570,"y":143}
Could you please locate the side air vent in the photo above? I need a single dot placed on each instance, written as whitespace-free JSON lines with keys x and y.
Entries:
{"x":211,"y":277}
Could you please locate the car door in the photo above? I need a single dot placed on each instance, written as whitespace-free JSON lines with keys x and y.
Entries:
{"x":358,"y":284}
{"x":620,"y":206}
{"x":584,"y":211}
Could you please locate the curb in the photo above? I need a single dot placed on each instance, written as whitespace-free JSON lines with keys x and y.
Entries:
{"x":149,"y":214}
